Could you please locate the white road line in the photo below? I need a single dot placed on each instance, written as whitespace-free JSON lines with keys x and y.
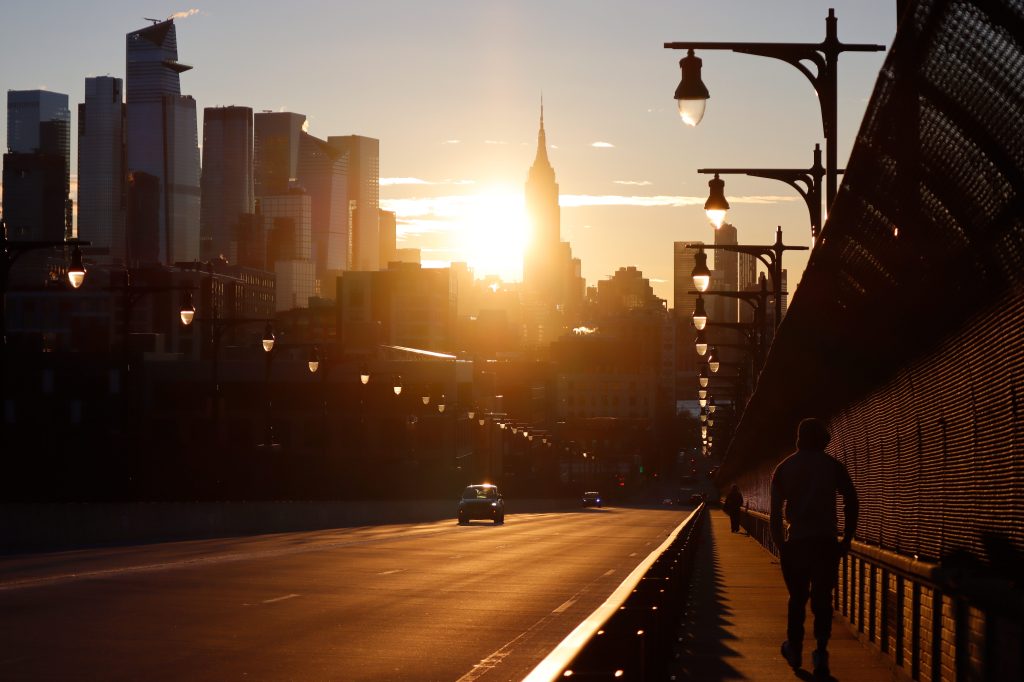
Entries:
{"x":277,"y":599}
{"x":397,"y":570}
{"x":564,"y":606}
{"x":608,"y":572}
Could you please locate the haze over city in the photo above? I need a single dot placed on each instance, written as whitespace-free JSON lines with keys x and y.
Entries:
{"x":452,"y":90}
{"x":486,"y":340}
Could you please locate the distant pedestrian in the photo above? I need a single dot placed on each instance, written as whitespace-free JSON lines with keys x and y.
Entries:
{"x":733,"y":504}
{"x":804,"y":488}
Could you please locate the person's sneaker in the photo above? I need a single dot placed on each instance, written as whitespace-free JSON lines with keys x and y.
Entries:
{"x":792,"y":655}
{"x":820,"y":659}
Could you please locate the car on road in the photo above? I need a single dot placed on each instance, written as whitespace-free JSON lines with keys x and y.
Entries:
{"x":592,"y":499}
{"x":481,"y":501}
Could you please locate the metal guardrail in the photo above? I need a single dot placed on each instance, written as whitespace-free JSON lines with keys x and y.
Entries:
{"x":630,"y":635}
{"x":935,"y":621}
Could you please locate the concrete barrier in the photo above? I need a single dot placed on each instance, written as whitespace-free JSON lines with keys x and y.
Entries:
{"x":41,"y":527}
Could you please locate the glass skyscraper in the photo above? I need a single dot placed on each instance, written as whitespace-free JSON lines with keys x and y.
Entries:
{"x":102,"y":196}
{"x":162,"y":138}
{"x":227,"y":182}
{"x":36,"y":176}
{"x":364,"y":190}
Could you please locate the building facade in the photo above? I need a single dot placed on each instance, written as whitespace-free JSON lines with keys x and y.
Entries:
{"x":363,"y":189}
{"x":36,"y":175}
{"x":162,"y":137}
{"x":102,"y":188}
{"x":553,"y":286}
{"x":227,"y":180}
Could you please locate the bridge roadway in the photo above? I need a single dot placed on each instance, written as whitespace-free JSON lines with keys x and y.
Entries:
{"x":432,"y":601}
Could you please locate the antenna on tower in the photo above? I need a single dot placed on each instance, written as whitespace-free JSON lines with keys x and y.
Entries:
{"x":155,"y":21}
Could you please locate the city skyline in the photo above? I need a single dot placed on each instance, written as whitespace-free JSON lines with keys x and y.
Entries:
{"x":626,"y":166}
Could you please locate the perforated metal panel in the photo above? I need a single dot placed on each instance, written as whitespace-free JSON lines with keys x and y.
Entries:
{"x":907,"y":331}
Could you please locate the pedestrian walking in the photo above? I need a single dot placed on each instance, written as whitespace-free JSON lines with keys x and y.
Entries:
{"x":803,"y":493}
{"x":733,"y":504}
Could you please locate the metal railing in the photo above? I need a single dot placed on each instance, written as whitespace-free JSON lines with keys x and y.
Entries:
{"x":951,"y":620}
{"x":630,"y":636}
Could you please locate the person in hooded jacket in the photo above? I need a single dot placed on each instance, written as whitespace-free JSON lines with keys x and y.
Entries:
{"x":803,"y":493}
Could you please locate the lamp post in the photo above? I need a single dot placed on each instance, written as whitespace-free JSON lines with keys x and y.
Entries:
{"x":807,"y":182}
{"x":769,"y":255}
{"x":218,"y":325}
{"x":818,"y":62}
{"x":757,"y":333}
{"x":11,"y":251}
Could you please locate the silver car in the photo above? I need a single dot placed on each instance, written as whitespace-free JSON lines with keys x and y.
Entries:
{"x":482,"y":501}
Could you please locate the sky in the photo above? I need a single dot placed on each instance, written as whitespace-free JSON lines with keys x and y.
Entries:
{"x":452,"y":89}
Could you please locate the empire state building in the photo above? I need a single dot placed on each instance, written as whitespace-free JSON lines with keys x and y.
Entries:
{"x":553,"y":289}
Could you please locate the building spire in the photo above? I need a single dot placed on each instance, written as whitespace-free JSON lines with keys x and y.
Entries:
{"x":541,"y":159}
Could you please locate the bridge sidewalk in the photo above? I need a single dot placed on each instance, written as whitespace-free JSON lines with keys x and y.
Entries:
{"x":737,"y":619}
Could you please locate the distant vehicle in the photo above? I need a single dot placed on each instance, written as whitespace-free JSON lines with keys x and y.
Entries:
{"x":687,"y":496}
{"x":482,"y":501}
{"x":592,"y":499}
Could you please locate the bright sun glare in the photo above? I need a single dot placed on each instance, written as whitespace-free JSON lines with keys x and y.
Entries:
{"x":491,"y":234}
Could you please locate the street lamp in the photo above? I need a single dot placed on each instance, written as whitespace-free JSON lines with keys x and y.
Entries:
{"x":807,"y":182}
{"x":268,"y":338}
{"x":314,"y":360}
{"x":76,"y":271}
{"x":188,"y":309}
{"x":769,"y":255}
{"x":397,"y":388}
{"x":716,"y":205}
{"x":364,"y":375}
{"x":701,"y":274}
{"x":714,"y":359}
{"x":701,"y":344}
{"x":691,"y":94}
{"x":703,"y":378}
{"x":700,"y":315}
{"x":823,"y":57}
{"x":10,"y":251}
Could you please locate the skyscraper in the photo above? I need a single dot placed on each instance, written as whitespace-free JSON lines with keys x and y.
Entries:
{"x":39,"y":121}
{"x":553,"y":288}
{"x":726,"y":275}
{"x":227,"y":179}
{"x":276,"y":151}
{"x":102,"y":192}
{"x":364,"y":190}
{"x":545,"y":218}
{"x":162,"y":139}
{"x":39,"y":147}
{"x":388,"y":238}
{"x":684,"y":260}
{"x":323,"y":173}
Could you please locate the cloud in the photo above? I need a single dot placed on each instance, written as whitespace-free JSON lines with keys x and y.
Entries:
{"x":602,"y":145}
{"x":579,"y":200}
{"x":495,"y":142}
{"x":389,"y":182}
{"x":385,"y":182}
{"x":452,"y":141}
{"x":656,"y":280}
{"x":638,"y":183}
{"x":185,"y":14}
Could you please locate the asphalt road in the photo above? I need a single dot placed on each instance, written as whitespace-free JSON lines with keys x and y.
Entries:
{"x":433,"y":601}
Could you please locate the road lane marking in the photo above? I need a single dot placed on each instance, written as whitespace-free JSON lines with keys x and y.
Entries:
{"x":277,"y":599}
{"x":397,"y":570}
{"x":566,"y":605}
{"x":633,"y":554}
{"x":608,"y":572}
